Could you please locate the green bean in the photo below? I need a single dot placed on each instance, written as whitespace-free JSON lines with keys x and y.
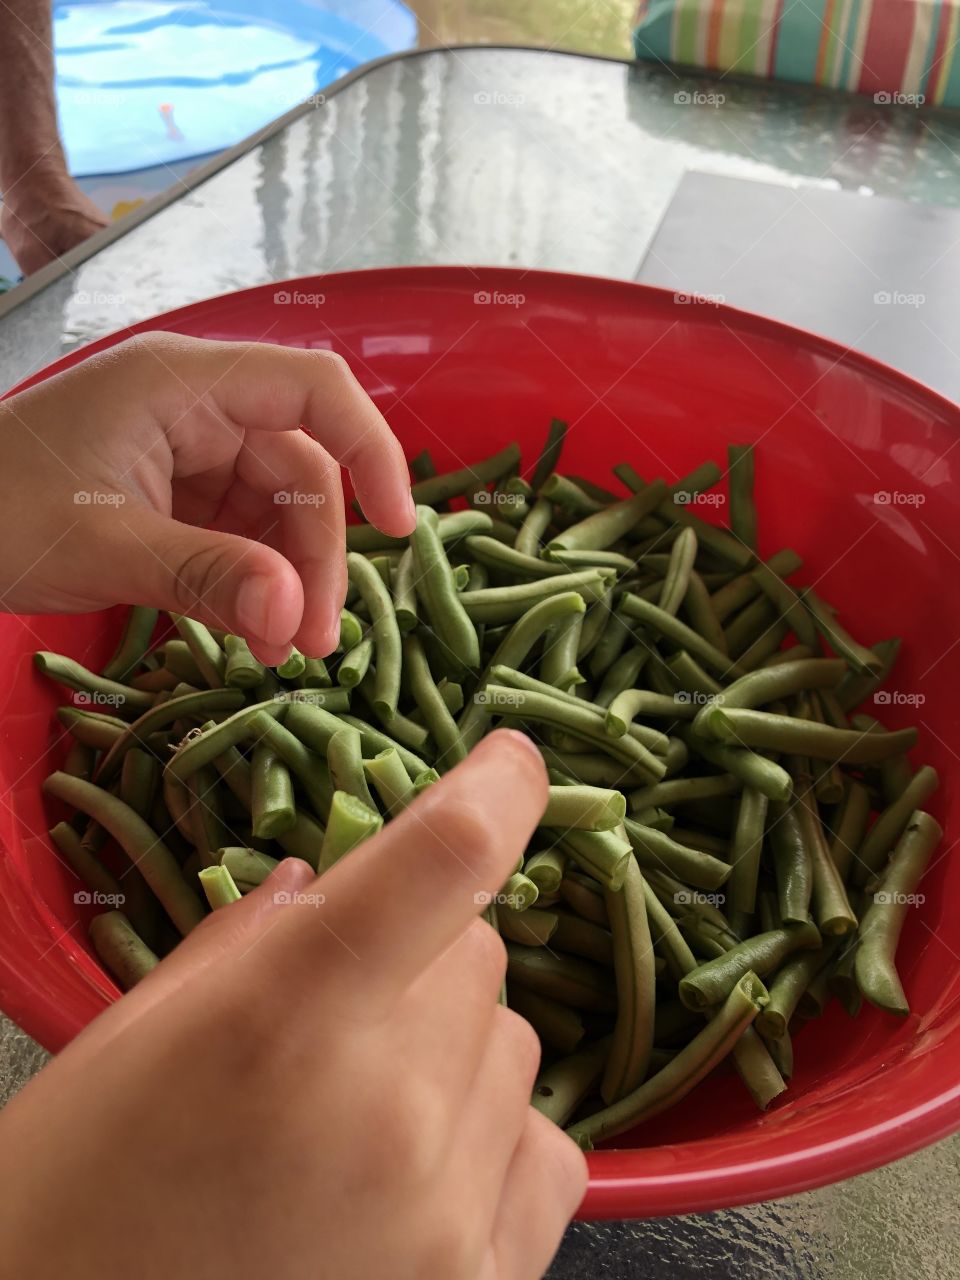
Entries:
{"x":691,"y":677}
{"x":792,"y":864}
{"x":196,"y":751}
{"x":422,"y":467}
{"x":605,"y":855}
{"x":564,"y":492}
{"x":749,"y":625}
{"x":391,"y":780}
{"x":831,"y":908}
{"x":367,"y":538}
{"x":273,"y":806}
{"x":500,"y":700}
{"x":700,"y":614}
{"x":585,"y":896}
{"x":199,"y":703}
{"x":747,"y":586}
{"x":670,"y":628}
{"x":84,"y":864}
{"x":430,"y":702}
{"x":404,"y":593}
{"x":677,"y":577}
{"x":451,"y":484}
{"x":743,"y":513}
{"x":159,"y":681}
{"x":712,"y":982}
{"x":633,"y":962}
{"x":686,"y":1070}
{"x":883,"y":919}
{"x":345,"y":762}
{"x":444,"y":607}
{"x":770,"y":684}
{"x":315,"y":675}
{"x":562,"y":1086}
{"x":701,"y":478}
{"x":92,"y":728}
{"x":796,"y":653}
{"x":206,"y":828}
{"x":550,"y":453}
{"x":589,"y":559}
{"x":373,"y":740}
{"x":655,"y":849}
{"x":864,"y":661}
{"x":178,"y":659}
{"x":842,"y":980}
{"x":518,"y":892}
{"x":354,"y":664}
{"x":133,"y":645}
{"x":719,"y":846}
{"x":95,"y":690}
{"x":788,"y":602}
{"x":558,"y":1026}
{"x":606,"y":526}
{"x":530,"y":926}
{"x":143,"y":847}
{"x":507,"y":604}
{"x":568,"y":979}
{"x":558,"y":665}
{"x":683,"y":790}
{"x":752,"y":769}
{"x":579,"y":937}
{"x":293,"y":666}
{"x":891,"y":823}
{"x":768,"y":731}
{"x":786,"y":989}
{"x":765,"y":645}
{"x":121,"y":949}
{"x":248,"y":867}
{"x":535,"y":525}
{"x":758,"y":1067}
{"x":351,"y":630}
{"x":350,"y":822}
{"x":857,"y":688}
{"x":332,"y":700}
{"x":849,"y":823}
{"x":204,"y":649}
{"x":586,"y":808}
{"x":747,"y":848}
{"x":495,"y":555}
{"x":140,"y":781}
{"x":219,"y":887}
{"x":545,"y":869}
{"x":386,"y":633}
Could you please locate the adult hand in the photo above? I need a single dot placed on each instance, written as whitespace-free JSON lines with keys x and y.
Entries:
{"x":170,"y":471}
{"x":319,"y":1081}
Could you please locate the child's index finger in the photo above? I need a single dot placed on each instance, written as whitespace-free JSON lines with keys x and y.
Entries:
{"x":400,"y":900}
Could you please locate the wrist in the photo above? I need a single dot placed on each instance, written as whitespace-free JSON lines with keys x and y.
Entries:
{"x":32,"y":176}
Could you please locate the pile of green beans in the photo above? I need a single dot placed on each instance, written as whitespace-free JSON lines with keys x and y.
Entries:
{"x":727,"y":844}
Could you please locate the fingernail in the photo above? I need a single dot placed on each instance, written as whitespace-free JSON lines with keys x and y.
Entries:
{"x":253,"y":606}
{"x":411,"y":508}
{"x":291,"y":874}
{"x":522,"y":740}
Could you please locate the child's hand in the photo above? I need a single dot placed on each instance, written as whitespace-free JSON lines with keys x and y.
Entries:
{"x":110,"y":469}
{"x":308,"y":1090}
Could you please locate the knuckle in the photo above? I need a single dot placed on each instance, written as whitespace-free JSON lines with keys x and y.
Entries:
{"x":490,"y":952}
{"x":196,"y":576}
{"x":522,"y":1044}
{"x":562,"y":1163}
{"x":452,"y":1250}
{"x":464,"y":829}
{"x":409,"y":1131}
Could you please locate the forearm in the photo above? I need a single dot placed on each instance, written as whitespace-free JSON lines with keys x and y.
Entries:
{"x":29,"y":138}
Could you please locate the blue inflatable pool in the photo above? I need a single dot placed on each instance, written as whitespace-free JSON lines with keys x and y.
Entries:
{"x":149,"y":82}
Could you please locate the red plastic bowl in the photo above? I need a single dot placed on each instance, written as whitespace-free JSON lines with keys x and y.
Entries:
{"x":463,"y":361}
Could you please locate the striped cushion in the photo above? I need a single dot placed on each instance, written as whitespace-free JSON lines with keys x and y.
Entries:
{"x":893,"y":50}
